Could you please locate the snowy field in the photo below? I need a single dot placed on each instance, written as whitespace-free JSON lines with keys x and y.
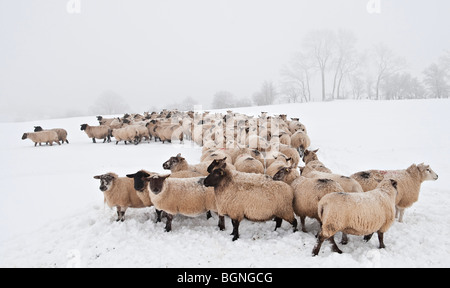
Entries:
{"x":52,"y":212}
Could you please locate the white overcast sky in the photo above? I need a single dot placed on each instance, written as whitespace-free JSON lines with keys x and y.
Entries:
{"x":157,"y":52}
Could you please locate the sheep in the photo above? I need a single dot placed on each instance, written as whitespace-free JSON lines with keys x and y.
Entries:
{"x":310,"y":155}
{"x":62,"y":133}
{"x":178,"y":163}
{"x":347,"y":183}
{"x":280,"y":161}
{"x":186,"y":196}
{"x":409,"y":181}
{"x":248,"y":164}
{"x":362,"y":213}
{"x":255,"y":197}
{"x":169,"y":132}
{"x":97,"y":132}
{"x":119,"y":192}
{"x":128,"y":133}
{"x":314,"y":165}
{"x":300,"y":141}
{"x":307,"y":193}
{"x":42,"y":137}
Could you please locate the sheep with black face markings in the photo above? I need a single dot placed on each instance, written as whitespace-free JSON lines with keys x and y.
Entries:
{"x":42,"y":137}
{"x":119,"y":192}
{"x":250,"y":196}
{"x":97,"y":132}
{"x":362,"y":213}
{"x":409,"y":181}
{"x":186,"y":196}
{"x":62,"y":133}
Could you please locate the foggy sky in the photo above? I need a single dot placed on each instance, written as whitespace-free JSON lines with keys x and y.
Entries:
{"x":158,"y":52}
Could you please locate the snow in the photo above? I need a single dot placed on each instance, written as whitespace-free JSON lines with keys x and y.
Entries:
{"x":52,"y":212}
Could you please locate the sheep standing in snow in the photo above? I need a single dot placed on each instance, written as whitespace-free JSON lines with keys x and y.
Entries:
{"x":255,"y":197}
{"x":186,"y":196}
{"x":409,"y":181}
{"x":97,"y":132}
{"x":300,"y":141}
{"x":62,"y":133}
{"x":362,"y":213}
{"x":119,"y":192}
{"x":128,"y":133}
{"x":248,"y":164}
{"x":178,"y":163}
{"x":42,"y":137}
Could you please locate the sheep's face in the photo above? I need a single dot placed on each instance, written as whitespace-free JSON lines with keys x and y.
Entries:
{"x":215,"y":177}
{"x":173,"y":162}
{"x":216,"y":163}
{"x":140,"y":180}
{"x":83,"y":127}
{"x":427,"y":172}
{"x":310,"y":156}
{"x":38,"y":128}
{"x":106,"y":181}
{"x":24,"y":136}
{"x":157,"y":183}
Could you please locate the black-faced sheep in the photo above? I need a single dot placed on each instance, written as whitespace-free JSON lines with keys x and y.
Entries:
{"x":97,"y":132}
{"x":362,"y":213}
{"x":409,"y":181}
{"x":119,"y":192}
{"x":186,"y":196}
{"x":42,"y":137}
{"x":62,"y":133}
{"x":255,"y":197}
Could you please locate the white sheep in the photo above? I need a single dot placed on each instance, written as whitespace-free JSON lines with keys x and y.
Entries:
{"x":248,"y":164}
{"x":178,"y":163}
{"x":42,"y":137}
{"x":128,"y":133}
{"x":186,"y":196}
{"x":119,"y":192}
{"x":409,"y":181}
{"x":62,"y":133}
{"x":300,"y":141}
{"x":255,"y":197}
{"x":97,"y":132}
{"x":362,"y":213}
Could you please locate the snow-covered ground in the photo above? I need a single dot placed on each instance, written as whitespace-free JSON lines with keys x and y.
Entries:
{"x":52,"y":212}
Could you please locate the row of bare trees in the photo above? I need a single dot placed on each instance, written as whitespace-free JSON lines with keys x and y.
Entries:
{"x":342,"y":71}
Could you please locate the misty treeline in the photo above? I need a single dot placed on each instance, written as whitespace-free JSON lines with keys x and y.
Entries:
{"x":329,"y":66}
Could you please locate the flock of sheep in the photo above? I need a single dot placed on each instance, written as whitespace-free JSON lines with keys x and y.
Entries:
{"x":249,"y":170}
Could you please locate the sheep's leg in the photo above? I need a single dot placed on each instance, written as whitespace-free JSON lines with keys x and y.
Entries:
{"x":93,"y":140}
{"x":35,"y":144}
{"x":67,"y":141}
{"x":380,"y":239}
{"x":158,"y":215}
{"x":221,"y":223}
{"x":302,"y":222}
{"x":117,"y":142}
{"x":335,"y":248}
{"x":168,"y":227}
{"x":344,"y":239}
{"x":235,"y":232}
{"x":278,"y":221}
{"x":316,"y":248}
{"x":368,"y":237}
{"x":208,"y":215}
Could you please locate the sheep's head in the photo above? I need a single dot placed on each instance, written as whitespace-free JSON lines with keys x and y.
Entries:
{"x":215,"y":177}
{"x":310,"y":156}
{"x":24,"y":136}
{"x":83,"y":127}
{"x":140,"y":180}
{"x":173,"y":162}
{"x":216,"y":163}
{"x":426,"y":172}
{"x":282,"y":173}
{"x":157,"y":182}
{"x":106,"y":181}
{"x":38,"y":128}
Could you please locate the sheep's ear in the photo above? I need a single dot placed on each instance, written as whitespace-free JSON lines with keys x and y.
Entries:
{"x":131,"y":175}
{"x":315,"y":151}
{"x":97,"y":177}
{"x":394,"y":183}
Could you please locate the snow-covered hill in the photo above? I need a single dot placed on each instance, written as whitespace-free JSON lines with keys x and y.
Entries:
{"x":52,"y":212}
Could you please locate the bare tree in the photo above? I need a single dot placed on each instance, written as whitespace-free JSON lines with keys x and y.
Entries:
{"x":345,"y":58}
{"x":320,"y":44}
{"x":436,"y":81}
{"x":296,"y":78}
{"x":387,"y":63}
{"x":266,"y":95}
{"x":223,"y":99}
{"x":109,"y":103}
